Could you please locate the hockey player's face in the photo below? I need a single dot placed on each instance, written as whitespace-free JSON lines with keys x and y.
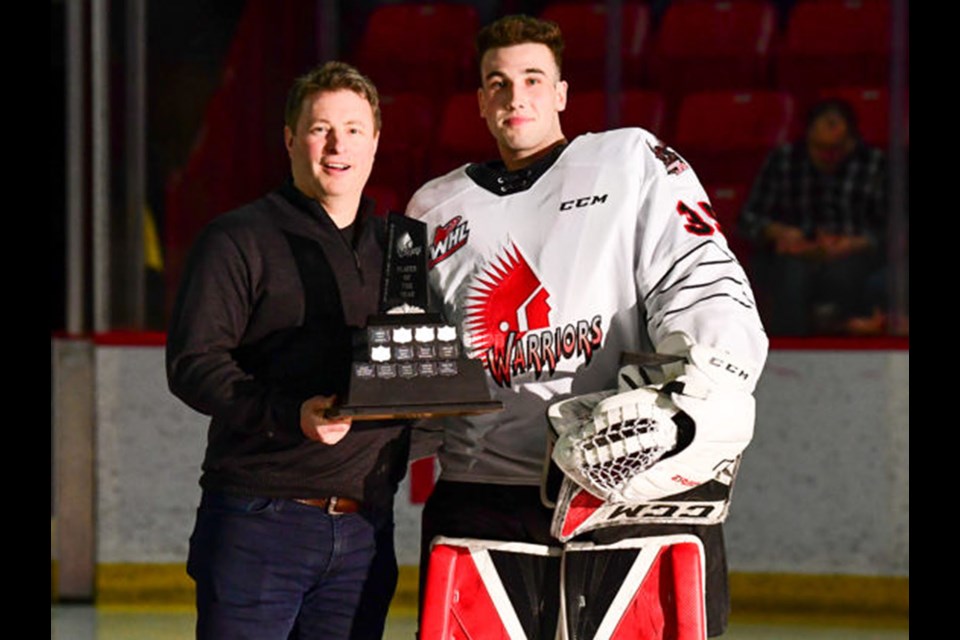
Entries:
{"x":521,"y":99}
{"x":332,"y":150}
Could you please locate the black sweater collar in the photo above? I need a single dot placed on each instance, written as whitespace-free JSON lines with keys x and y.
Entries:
{"x":297,"y":198}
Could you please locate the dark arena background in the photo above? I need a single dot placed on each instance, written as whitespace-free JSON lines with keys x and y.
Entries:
{"x":169,"y":113}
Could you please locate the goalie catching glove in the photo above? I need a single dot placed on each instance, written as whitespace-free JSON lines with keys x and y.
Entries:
{"x":647,"y":442}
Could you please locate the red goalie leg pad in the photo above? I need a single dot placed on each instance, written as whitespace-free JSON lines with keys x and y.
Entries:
{"x":489,"y":589}
{"x":643,"y":588}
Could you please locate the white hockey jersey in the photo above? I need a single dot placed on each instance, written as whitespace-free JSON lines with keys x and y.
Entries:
{"x":552,"y":273}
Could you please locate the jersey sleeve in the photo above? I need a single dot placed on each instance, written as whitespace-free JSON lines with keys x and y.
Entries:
{"x":688,"y":278}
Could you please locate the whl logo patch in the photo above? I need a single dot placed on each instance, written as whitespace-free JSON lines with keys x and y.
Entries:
{"x":447,"y":238}
{"x":508,"y":322}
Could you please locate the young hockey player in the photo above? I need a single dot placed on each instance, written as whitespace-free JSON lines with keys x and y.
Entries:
{"x":569,"y":256}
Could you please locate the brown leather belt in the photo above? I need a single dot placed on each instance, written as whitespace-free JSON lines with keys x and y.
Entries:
{"x":332,"y":505}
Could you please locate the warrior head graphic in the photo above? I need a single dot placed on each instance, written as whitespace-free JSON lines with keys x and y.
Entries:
{"x":506,"y":298}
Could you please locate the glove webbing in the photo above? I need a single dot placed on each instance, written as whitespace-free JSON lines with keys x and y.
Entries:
{"x":639,"y":438}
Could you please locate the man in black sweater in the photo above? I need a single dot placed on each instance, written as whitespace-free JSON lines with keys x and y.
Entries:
{"x":296,"y":511}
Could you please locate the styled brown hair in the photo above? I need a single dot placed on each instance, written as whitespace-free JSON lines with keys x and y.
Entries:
{"x":520,"y":29}
{"x":331,"y":76}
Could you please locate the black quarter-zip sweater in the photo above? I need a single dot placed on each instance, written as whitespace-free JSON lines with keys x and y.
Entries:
{"x":272,"y":296}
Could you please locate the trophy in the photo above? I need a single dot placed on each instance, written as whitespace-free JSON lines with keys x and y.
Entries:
{"x":409,"y":362}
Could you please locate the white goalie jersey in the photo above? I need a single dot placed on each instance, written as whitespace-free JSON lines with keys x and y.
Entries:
{"x":553,"y":272}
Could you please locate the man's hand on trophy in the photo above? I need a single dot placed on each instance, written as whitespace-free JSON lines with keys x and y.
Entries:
{"x":317,"y":426}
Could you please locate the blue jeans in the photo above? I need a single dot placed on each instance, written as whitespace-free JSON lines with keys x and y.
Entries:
{"x":275,"y":569}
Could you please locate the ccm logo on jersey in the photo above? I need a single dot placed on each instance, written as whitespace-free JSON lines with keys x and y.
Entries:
{"x":447,"y":238}
{"x":579,"y":203}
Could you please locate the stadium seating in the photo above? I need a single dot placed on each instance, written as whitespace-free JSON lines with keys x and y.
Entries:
{"x":420,"y":46}
{"x":463,"y":135}
{"x":830,"y":43}
{"x":238,"y":151}
{"x":385,"y":199}
{"x":726,"y":135}
{"x":584,"y":26}
{"x":409,"y":123}
{"x":704,"y":45}
{"x":587,"y":111}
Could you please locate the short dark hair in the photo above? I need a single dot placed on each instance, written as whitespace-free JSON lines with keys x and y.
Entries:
{"x":520,"y":29}
{"x":837,"y":106}
{"x":330,"y":76}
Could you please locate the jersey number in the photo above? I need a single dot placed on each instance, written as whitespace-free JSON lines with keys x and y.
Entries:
{"x":697,"y":224}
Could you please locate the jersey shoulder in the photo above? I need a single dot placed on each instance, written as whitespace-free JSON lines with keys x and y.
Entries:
{"x":628,"y":146}
{"x":438,"y":191}
{"x":624,"y":136}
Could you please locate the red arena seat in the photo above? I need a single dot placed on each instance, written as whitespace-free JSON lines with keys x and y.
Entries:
{"x":726,"y":135}
{"x":584,"y":26}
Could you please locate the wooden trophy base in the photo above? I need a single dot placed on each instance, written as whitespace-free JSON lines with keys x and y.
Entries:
{"x":413,"y":368}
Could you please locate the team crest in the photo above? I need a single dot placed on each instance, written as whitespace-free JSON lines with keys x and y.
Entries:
{"x":508,"y":322}
{"x":447,"y":239}
{"x":671,"y":160}
{"x":507,"y":300}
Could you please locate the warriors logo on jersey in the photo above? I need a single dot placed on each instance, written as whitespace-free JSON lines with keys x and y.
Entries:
{"x":508,"y":322}
{"x":506,"y":301}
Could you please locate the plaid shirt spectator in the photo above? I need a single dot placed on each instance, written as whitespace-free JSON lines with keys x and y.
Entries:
{"x":789,"y":189}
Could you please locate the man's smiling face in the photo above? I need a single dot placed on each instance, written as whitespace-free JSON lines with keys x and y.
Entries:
{"x":333,"y":147}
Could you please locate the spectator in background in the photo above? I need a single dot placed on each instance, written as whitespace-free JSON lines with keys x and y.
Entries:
{"x":817,"y":219}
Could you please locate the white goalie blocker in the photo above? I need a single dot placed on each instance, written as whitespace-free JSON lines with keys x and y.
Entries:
{"x":650,"y":588}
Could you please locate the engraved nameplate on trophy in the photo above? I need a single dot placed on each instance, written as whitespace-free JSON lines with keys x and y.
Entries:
{"x":410,"y":364}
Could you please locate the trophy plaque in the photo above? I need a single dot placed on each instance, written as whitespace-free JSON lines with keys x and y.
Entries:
{"x":409,"y":362}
